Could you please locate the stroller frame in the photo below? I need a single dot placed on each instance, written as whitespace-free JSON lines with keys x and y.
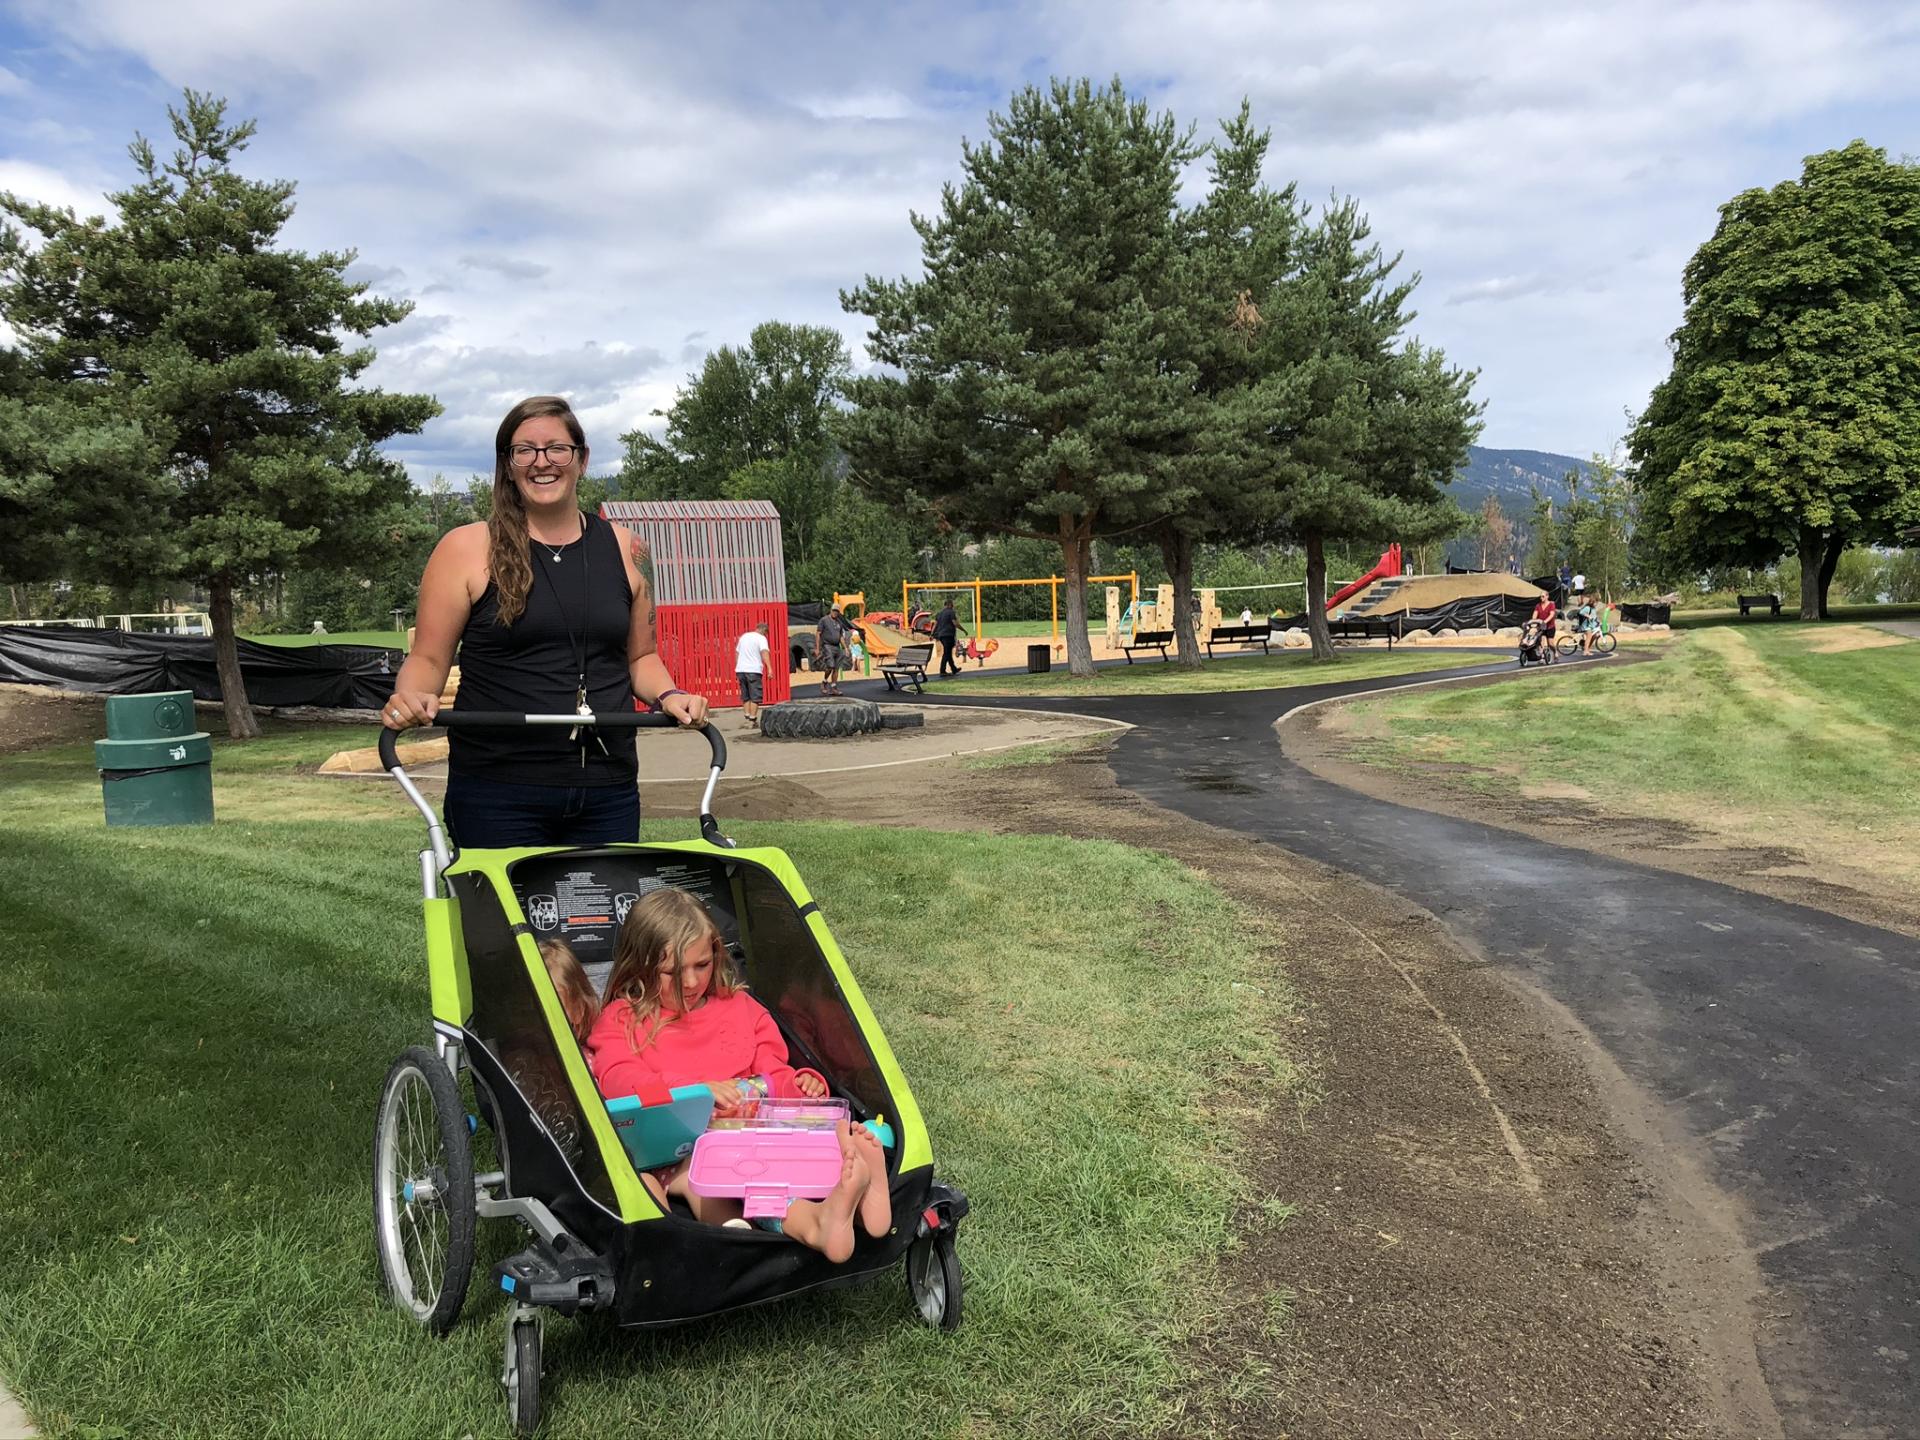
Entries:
{"x":598,"y":1240}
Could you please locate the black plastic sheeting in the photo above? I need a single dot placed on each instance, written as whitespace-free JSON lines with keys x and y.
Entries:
{"x":113,"y":662}
{"x":1647,"y":614}
{"x":1492,"y":611}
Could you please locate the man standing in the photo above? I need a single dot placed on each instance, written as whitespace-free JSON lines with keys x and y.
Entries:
{"x":946,"y":629}
{"x":830,"y":649}
{"x":750,"y":669}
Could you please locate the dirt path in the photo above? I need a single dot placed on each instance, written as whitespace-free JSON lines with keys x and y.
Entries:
{"x":1473,"y":1249}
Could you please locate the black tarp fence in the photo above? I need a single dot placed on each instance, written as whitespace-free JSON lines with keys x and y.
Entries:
{"x":114,"y":662}
{"x":1492,"y":611}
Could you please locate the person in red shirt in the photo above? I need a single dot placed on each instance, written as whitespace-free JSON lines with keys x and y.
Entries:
{"x":1546,"y":613}
{"x":674,"y":1016}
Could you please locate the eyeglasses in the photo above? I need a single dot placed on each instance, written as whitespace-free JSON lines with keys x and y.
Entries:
{"x":524,"y":455}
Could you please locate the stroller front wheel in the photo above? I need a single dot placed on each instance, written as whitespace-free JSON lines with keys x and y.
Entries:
{"x":933,"y":1279}
{"x":423,"y":1200}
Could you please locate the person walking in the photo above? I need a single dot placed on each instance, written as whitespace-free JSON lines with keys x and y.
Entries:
{"x":830,"y":649}
{"x":750,"y":654}
{"x":947,"y":629}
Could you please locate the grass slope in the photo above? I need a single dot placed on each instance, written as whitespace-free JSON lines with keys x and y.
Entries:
{"x":193,"y":1029}
{"x":1771,"y":733}
{"x":1257,"y":672}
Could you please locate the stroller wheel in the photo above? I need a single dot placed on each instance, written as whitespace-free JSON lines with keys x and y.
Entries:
{"x":933,"y":1279}
{"x":423,"y":1202}
{"x":522,"y":1377}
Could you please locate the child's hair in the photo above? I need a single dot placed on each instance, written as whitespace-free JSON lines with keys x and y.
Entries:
{"x":570,"y":982}
{"x":660,"y":926}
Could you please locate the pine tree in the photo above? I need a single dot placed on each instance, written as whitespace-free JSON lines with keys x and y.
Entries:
{"x":185,"y":400}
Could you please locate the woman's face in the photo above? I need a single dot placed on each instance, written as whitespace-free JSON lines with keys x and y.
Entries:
{"x":545,"y":480}
{"x":684,"y":978}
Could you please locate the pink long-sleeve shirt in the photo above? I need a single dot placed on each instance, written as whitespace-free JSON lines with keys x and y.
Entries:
{"x":726,"y":1038}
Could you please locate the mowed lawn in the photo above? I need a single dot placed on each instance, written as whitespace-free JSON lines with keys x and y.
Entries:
{"x":1769,"y":733}
{"x":193,"y":1029}
{"x":1151,"y":676}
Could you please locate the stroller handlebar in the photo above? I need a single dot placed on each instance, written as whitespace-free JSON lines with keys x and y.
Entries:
{"x":510,"y":719}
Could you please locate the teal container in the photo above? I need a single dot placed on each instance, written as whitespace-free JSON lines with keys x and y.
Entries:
{"x":155,"y":768}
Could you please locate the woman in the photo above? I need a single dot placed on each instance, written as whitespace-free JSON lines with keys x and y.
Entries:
{"x":552,"y":611}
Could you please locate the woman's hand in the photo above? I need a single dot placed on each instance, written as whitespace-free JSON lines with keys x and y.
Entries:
{"x":405,"y":708}
{"x":810,"y":1085}
{"x":687,"y":709}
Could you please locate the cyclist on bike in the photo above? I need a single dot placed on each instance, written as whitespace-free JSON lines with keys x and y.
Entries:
{"x":1586,"y":622}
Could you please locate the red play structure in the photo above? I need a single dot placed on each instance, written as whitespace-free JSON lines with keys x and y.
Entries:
{"x":1388,"y":567}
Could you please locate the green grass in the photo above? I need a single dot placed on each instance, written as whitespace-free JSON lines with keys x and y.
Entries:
{"x":1790,"y":614}
{"x":1264,"y":672}
{"x":1769,"y":733}
{"x":389,"y":639}
{"x":193,"y":1029}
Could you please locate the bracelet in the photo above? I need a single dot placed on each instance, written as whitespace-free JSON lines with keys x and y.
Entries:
{"x":663,"y":695}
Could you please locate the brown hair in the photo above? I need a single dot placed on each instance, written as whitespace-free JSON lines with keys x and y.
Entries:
{"x":660,"y":926}
{"x":507,"y":558}
{"x":570,"y":981}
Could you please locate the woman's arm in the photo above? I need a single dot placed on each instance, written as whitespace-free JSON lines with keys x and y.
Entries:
{"x":647,"y":672}
{"x":446,"y":600}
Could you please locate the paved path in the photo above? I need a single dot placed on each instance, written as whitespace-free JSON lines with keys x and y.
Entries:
{"x":1785,"y":1040}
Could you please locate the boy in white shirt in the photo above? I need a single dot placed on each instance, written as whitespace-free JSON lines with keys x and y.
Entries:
{"x":750,"y":667}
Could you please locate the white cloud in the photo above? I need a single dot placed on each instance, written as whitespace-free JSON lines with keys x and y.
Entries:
{"x":587,"y":198}
{"x":48,"y":186}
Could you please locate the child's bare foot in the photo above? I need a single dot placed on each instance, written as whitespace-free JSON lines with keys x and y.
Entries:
{"x":876,"y":1205}
{"x":827,"y":1225}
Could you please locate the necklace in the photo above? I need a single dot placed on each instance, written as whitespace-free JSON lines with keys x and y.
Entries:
{"x":557,"y":552}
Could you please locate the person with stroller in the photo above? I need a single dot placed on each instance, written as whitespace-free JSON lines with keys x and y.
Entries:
{"x":550,"y":610}
{"x":1537,"y":636}
{"x":675,"y":1016}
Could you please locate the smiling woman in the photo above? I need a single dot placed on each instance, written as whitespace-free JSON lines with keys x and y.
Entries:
{"x":552,"y":612}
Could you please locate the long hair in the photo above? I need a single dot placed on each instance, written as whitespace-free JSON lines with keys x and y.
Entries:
{"x":507,"y":558}
{"x":570,"y":982}
{"x":661,"y":924}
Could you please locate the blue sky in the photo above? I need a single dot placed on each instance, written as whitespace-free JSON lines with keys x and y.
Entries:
{"x":584,"y":198}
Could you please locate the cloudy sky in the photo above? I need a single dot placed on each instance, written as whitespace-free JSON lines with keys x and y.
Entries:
{"x":585,"y":197}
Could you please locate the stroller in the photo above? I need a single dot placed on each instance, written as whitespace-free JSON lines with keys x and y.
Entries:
{"x":1536,"y":648}
{"x":597,"y":1241}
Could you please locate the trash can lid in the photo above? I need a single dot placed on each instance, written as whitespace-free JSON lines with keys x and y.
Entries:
{"x":150,"y":716}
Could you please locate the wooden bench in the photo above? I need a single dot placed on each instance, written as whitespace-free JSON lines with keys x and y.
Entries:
{"x":908,"y":667}
{"x":1149,"y":640}
{"x":1241,"y":635}
{"x":1755,"y":602}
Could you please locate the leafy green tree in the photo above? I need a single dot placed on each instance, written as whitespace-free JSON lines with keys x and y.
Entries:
{"x":187,"y":383}
{"x":1791,"y":418}
{"x":1034,"y":385}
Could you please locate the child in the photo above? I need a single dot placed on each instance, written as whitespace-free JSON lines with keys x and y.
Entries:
{"x":674,"y":1016}
{"x":571,"y":984}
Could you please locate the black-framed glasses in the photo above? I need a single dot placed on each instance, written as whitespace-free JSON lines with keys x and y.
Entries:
{"x":524,"y":455}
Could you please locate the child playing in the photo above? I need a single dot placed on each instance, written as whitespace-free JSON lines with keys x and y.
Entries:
{"x":571,"y":984}
{"x":674,"y":1016}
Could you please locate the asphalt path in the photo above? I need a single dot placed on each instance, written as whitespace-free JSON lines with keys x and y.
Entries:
{"x":1784,"y":1040}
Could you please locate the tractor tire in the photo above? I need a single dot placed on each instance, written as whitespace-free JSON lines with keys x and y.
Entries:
{"x":902,"y":719}
{"x":819,"y":719}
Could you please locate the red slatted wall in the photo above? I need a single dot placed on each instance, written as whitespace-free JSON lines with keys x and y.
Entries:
{"x":697,"y":643}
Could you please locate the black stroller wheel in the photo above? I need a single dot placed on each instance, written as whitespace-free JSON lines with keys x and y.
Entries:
{"x":522,"y":1378}
{"x":423,"y":1201}
{"x":933,"y":1279}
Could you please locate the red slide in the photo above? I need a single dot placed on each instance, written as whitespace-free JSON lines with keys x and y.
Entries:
{"x":1388,"y":567}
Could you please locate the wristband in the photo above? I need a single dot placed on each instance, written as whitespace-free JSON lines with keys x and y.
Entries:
{"x":663,"y":695}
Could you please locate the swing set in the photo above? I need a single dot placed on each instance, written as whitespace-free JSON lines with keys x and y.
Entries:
{"x":976,"y":588}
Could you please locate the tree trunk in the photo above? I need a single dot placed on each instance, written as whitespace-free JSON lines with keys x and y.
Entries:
{"x":1074,"y":547}
{"x":1836,"y":546}
{"x":1317,"y":598}
{"x":241,"y":722}
{"x":1812,"y":556}
{"x":1176,"y":548}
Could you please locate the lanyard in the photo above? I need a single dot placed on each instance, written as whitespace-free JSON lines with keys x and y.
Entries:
{"x":578,"y":643}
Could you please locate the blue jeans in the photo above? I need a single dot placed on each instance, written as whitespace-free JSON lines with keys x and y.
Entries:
{"x":485,"y":814}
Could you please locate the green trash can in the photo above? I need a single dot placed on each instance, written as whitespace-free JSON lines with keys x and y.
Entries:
{"x":155,"y":768}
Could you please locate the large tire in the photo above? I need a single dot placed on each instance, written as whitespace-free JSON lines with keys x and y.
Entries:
{"x":819,"y":719}
{"x":423,"y":1201}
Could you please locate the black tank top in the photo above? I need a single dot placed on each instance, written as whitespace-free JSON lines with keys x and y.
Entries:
{"x":533,"y":665}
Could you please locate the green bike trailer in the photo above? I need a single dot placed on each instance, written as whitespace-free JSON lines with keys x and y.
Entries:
{"x":598,"y":1243}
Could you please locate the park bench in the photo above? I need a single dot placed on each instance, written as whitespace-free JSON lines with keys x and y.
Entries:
{"x":1149,"y":640}
{"x":1366,"y":630}
{"x":1756,"y":602}
{"x":908,"y":667}
{"x":1240,"y":635}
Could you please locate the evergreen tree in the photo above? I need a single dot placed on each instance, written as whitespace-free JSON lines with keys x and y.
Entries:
{"x":1040,"y":382}
{"x":1791,"y":418}
{"x":186,"y":383}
